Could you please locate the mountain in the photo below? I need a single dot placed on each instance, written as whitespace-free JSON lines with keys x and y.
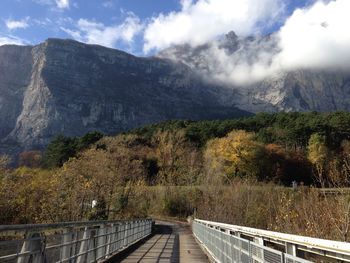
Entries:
{"x":66,"y":87}
{"x":298,"y":90}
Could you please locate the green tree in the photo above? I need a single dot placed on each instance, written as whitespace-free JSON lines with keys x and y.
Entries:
{"x":59,"y":151}
{"x":88,"y":139}
{"x":62,"y":148}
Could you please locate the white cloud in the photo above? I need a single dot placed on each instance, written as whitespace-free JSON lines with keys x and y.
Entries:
{"x":59,"y":4}
{"x":62,"y":4}
{"x":108,"y":4}
{"x":316,"y":37}
{"x":202,"y":20}
{"x":11,"y":40}
{"x":43,"y":2}
{"x":97,"y":33}
{"x":17,"y":24}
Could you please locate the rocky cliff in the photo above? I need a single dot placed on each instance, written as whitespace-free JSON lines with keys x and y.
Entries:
{"x":66,"y":87}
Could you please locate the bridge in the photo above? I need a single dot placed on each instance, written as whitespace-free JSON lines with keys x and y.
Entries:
{"x":145,"y":240}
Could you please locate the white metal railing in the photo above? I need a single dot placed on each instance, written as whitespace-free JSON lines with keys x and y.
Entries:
{"x":230,"y":243}
{"x":70,"y":242}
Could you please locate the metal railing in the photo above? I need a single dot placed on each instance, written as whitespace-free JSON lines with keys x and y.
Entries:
{"x":70,"y":242}
{"x":229,"y":243}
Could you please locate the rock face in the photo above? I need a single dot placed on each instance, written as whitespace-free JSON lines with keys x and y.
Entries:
{"x":301,"y":90}
{"x":66,"y":87}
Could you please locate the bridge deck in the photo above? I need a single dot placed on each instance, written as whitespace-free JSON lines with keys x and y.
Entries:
{"x":171,"y":243}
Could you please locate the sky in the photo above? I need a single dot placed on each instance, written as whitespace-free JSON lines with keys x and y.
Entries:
{"x":140,"y":27}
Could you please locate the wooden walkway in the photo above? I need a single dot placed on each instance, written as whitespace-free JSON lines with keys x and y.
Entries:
{"x":171,"y":243}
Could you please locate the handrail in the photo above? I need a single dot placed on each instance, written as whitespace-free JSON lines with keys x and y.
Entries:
{"x":25,"y":227}
{"x":322,"y":244}
{"x":333,"y":249}
{"x":70,"y":241}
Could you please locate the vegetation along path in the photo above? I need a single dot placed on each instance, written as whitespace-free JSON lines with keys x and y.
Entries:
{"x":172,"y":242}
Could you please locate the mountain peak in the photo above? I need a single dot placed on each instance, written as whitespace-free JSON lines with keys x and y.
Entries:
{"x":231,"y":36}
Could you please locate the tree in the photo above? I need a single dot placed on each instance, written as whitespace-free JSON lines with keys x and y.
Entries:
{"x":62,"y":148}
{"x":31,"y":159}
{"x":178,"y":160}
{"x":237,"y":154}
{"x":318,"y":153}
{"x":88,"y":139}
{"x":59,"y":151}
{"x":5,"y":160}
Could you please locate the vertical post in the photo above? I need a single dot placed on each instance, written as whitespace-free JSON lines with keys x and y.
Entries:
{"x":233,"y":250}
{"x":126,"y":227}
{"x":101,"y":241}
{"x":36,"y":246}
{"x":259,"y":240}
{"x":83,"y":246}
{"x":135,"y":231}
{"x":66,"y":250}
{"x":118,"y":236}
{"x":91,"y":247}
{"x":110,"y":234}
{"x":138,"y":229}
{"x":291,"y":249}
{"x":131,"y":234}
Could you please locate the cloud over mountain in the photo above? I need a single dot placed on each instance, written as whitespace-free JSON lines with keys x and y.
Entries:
{"x":11,"y":40}
{"x":202,"y":20}
{"x":93,"y":32}
{"x":314,"y":38}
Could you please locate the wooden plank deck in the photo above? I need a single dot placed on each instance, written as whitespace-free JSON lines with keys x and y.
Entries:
{"x":171,"y":243}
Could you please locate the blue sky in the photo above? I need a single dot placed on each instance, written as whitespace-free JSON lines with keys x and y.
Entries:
{"x":138,"y":26}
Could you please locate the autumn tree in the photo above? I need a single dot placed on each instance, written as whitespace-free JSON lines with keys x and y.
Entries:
{"x":31,"y":159}
{"x":178,"y":160}
{"x":318,"y":154}
{"x":5,"y":161}
{"x":236,"y":155}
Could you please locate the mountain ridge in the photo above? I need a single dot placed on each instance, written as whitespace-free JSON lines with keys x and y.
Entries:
{"x":67,"y":87}
{"x":62,"y":86}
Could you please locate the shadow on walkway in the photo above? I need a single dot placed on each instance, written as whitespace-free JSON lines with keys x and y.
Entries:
{"x":162,"y":246}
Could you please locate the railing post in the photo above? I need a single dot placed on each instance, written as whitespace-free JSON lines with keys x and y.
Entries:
{"x":33,"y":243}
{"x":291,"y":249}
{"x":117,"y":237}
{"x":110,"y":233}
{"x":92,"y":244}
{"x":67,"y":239}
{"x":101,"y":241}
{"x":125,"y":228}
{"x":132,"y":236}
{"x":259,"y":240}
{"x":83,"y":246}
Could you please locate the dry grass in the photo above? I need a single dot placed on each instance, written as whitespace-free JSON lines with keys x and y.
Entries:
{"x":306,"y":211}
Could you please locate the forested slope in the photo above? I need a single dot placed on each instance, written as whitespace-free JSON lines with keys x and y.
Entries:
{"x":235,"y":171}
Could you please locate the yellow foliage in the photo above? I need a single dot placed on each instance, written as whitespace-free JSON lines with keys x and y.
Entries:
{"x":317,"y":150}
{"x":237,"y":154}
